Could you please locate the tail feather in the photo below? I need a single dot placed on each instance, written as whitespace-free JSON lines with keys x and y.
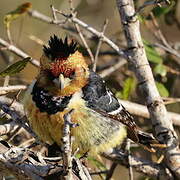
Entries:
{"x":146,"y":140}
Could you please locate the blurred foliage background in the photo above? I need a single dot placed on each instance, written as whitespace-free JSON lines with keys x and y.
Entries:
{"x":154,"y":20}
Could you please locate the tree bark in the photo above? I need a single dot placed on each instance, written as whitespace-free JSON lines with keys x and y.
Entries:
{"x":161,"y":122}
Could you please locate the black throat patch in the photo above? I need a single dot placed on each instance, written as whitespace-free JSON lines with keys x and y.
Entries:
{"x":48,"y":103}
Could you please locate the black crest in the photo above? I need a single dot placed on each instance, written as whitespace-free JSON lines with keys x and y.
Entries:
{"x":58,"y":48}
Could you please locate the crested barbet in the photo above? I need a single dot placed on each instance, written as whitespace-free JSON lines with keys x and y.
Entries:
{"x":65,"y":82}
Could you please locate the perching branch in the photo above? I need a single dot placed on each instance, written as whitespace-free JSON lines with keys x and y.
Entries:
{"x":142,"y":111}
{"x":24,"y":163}
{"x":146,"y":167}
{"x":153,"y":170}
{"x":67,"y":148}
{"x":15,"y":116}
{"x":161,"y":122}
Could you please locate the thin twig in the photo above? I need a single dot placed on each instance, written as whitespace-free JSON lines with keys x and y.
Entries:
{"x":95,"y":32}
{"x":17,"y":51}
{"x":142,"y":111}
{"x":172,"y":70}
{"x":99,"y":45}
{"x":170,"y":50}
{"x":83,"y":172}
{"x":44,"y":18}
{"x":71,"y":6}
{"x":146,"y":167}
{"x":128,"y":146}
{"x":111,"y":171}
{"x":36,"y":40}
{"x":67,"y":151}
{"x":53,"y":13}
{"x":7,"y":78}
{"x":19,"y":120}
{"x":8,"y":128}
{"x":84,"y":41}
{"x":169,"y":100}
{"x":4,"y":90}
{"x":159,"y":35}
{"x":6,"y":81}
{"x":158,"y":31}
{"x":113,"y":68}
{"x":9,"y":34}
{"x":148,"y":3}
{"x":80,"y":33}
{"x":98,"y":173}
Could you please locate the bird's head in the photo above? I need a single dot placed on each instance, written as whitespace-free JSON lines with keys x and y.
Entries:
{"x":61,"y":60}
{"x":61,"y":57}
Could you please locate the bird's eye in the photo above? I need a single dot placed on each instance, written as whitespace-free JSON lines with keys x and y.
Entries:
{"x":72,"y":75}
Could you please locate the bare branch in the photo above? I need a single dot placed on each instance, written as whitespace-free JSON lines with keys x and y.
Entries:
{"x":146,"y":167}
{"x":99,"y":45}
{"x":23,"y":163}
{"x":67,"y":149}
{"x":18,"y":52}
{"x":150,"y":3}
{"x":111,"y":171}
{"x":169,"y":50}
{"x":7,"y":128}
{"x":161,"y":122}
{"x":42,"y":17}
{"x":4,"y":90}
{"x":85,"y":43}
{"x":75,"y":20}
{"x":142,"y":111}
{"x":128,"y":146}
{"x":17,"y":119}
{"x":113,"y":68}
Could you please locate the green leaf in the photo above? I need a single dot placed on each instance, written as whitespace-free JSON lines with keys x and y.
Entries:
{"x":162,"y":89}
{"x":15,"y":68}
{"x":129,"y":85}
{"x":151,"y":53}
{"x":119,"y":95}
{"x":141,"y":18}
{"x":23,"y":8}
{"x":160,"y":69}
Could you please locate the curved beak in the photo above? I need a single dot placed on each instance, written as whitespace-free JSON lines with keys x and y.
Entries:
{"x":59,"y":81}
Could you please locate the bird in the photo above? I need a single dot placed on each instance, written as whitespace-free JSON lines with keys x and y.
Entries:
{"x":65,"y":82}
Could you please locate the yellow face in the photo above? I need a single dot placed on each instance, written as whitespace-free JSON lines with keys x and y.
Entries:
{"x":66,"y":66}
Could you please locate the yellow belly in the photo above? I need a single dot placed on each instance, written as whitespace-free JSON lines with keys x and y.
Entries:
{"x":95,"y":133}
